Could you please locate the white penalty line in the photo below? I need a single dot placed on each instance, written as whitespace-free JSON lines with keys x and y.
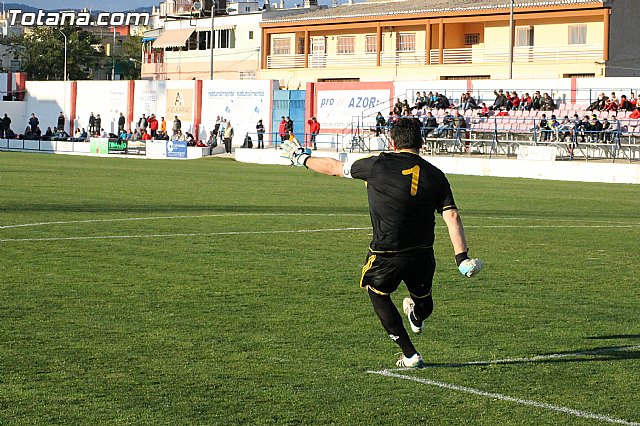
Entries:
{"x":493,"y":395}
{"x":202,"y":234}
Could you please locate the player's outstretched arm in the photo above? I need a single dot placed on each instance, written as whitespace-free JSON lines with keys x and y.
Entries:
{"x":299,"y":157}
{"x":466,"y":266}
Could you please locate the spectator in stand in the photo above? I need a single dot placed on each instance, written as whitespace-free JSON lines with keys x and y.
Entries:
{"x":430,"y":124}
{"x":577,"y":128}
{"x":6,"y":126}
{"x":447,"y":124}
{"x":501,"y":100}
{"x":460,"y":125}
{"x":92,"y":124}
{"x":228,"y":137}
{"x":48,"y":134}
{"x":595,"y":129}
{"x":616,"y":128}
{"x":484,"y":111}
{"x":611,"y":104}
{"x":442,"y":102}
{"x":525,"y":102}
{"x":223,"y":125}
{"x":536,"y":101}
{"x":288,"y":127}
{"x":282,"y":129}
{"x":468,"y":102}
{"x":547,"y":103}
{"x":515,"y":100}
{"x":145,"y":135}
{"x":103,"y":133}
{"x":177,"y":125}
{"x":502,"y":112}
{"x":554,"y":127}
{"x":380,"y":123}
{"x":624,"y":104}
{"x":598,"y":104}
{"x":121,"y":123}
{"x":543,"y":127}
{"x":33,"y":122}
{"x":98,"y":124}
{"x":633,"y":100}
{"x":635,"y":113}
{"x":61,"y":121}
{"x":143,"y":122}
{"x":314,"y":129}
{"x":260,"y":132}
{"x":606,"y":130}
{"x":28,"y":133}
{"x":153,"y":125}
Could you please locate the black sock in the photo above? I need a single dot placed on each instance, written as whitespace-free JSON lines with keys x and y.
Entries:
{"x":422,"y":309}
{"x":392,"y":322}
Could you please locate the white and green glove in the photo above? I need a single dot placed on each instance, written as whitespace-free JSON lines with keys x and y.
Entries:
{"x":468,"y":267}
{"x":292,"y":150}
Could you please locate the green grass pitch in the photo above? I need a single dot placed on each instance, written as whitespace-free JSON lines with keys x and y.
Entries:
{"x":181,"y":292}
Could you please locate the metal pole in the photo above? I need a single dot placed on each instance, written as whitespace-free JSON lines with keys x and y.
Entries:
{"x":113,"y":55}
{"x":511,"y":41}
{"x":65,"y":55}
{"x":213,"y":14}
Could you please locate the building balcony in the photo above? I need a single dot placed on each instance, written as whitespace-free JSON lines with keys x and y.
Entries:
{"x":534,"y":55}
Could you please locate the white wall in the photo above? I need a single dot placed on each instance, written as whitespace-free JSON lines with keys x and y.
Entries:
{"x":46,"y":99}
{"x":107,"y":98}
{"x":17,"y":112}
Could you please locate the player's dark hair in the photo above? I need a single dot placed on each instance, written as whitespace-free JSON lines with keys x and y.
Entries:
{"x":406,"y":133}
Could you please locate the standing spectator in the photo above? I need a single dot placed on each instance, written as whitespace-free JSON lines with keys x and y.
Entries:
{"x":153,"y":125}
{"x":163,"y":125}
{"x":6,"y":125}
{"x":380,"y":123}
{"x":121,"y":122}
{"x":177,"y":125}
{"x":92,"y":124}
{"x":33,"y":122}
{"x":282,"y":129}
{"x":289,"y":126}
{"x":543,"y":127}
{"x":314,"y":129}
{"x":1,"y":128}
{"x":260,"y":132}
{"x":61,"y":121}
{"x":216,"y":127}
{"x":98,"y":124}
{"x":223,"y":125}
{"x":142,"y":122}
{"x":228,"y":137}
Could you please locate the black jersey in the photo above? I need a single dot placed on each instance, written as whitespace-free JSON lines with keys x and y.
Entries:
{"x":404,"y":193}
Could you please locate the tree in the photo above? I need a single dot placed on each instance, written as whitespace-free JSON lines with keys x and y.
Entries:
{"x":128,"y":58}
{"x":41,"y":52}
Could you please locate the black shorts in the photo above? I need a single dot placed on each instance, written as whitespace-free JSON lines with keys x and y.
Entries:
{"x":383,"y":272}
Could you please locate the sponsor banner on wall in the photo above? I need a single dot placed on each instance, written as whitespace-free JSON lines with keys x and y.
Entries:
{"x":136,"y":148}
{"x":99,"y":146}
{"x":117,"y":147}
{"x":180,"y":104}
{"x":336,"y":109}
{"x":176,"y":149}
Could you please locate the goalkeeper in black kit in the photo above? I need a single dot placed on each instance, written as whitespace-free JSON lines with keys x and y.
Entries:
{"x":404,"y":192}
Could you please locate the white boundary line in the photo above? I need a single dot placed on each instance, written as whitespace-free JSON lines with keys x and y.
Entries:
{"x":492,"y":395}
{"x":132,"y":219}
{"x":115,"y":237}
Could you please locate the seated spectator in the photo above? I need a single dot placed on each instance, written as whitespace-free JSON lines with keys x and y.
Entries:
{"x":633,"y":100}
{"x":606,"y":131}
{"x":468,"y":102}
{"x":501,"y":100}
{"x":515,"y":100}
{"x":502,"y":113}
{"x":564,"y":129}
{"x":635,"y":114}
{"x":164,"y":136}
{"x":28,"y":133}
{"x":83,"y":134}
{"x":430,"y":125}
{"x":419,"y":101}
{"x":445,"y":126}
{"x":536,"y":101}
{"x":624,"y":104}
{"x":595,"y":129}
{"x":525,"y":102}
{"x":442,"y":102}
{"x":145,"y":135}
{"x":611,"y":104}
{"x":48,"y":135}
{"x":547,"y":103}
{"x":103,"y":133}
{"x":598,"y":104}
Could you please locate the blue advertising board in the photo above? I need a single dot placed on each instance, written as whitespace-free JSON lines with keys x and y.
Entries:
{"x":176,"y":149}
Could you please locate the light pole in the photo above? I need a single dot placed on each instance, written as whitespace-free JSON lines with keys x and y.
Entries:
{"x":213,"y":15}
{"x":65,"y":54}
{"x":511,"y":41}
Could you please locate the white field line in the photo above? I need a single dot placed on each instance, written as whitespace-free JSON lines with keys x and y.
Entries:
{"x":529,"y":359}
{"x":132,"y":219}
{"x":199,"y":234}
{"x":492,"y":395}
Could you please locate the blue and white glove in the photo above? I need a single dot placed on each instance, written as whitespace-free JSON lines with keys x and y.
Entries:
{"x":468,"y":267}
{"x":292,"y":150}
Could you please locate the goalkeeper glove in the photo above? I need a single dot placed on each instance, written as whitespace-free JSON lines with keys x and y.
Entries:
{"x":468,"y":267}
{"x":292,"y":150}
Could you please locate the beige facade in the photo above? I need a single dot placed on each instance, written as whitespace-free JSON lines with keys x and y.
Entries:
{"x":406,"y":40}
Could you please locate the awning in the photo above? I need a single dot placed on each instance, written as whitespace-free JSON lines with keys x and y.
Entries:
{"x":217,"y":27}
{"x":173,"y":38}
{"x":145,"y":39}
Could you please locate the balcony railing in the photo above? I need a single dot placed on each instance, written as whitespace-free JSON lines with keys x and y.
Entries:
{"x":578,"y":53}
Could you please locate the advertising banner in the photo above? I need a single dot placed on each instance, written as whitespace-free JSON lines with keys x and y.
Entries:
{"x":136,"y":148}
{"x":117,"y":147}
{"x":180,"y":104}
{"x":336,"y":109}
{"x":99,"y":146}
{"x":176,"y":149}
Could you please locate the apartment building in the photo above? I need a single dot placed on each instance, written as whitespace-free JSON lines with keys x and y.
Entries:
{"x":386,"y":40}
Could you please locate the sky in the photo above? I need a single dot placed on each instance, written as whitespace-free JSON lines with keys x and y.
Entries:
{"x":111,"y":5}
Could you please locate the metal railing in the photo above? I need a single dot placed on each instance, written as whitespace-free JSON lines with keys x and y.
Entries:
{"x":470,"y":55}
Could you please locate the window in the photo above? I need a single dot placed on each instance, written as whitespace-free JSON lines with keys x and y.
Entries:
{"x":406,"y":42}
{"x":346,"y":44}
{"x":524,"y":36}
{"x":577,"y":34}
{"x":250,"y":35}
{"x":281,"y":46}
{"x":473,"y":38}
{"x":301,"y":46}
{"x":371,"y":44}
